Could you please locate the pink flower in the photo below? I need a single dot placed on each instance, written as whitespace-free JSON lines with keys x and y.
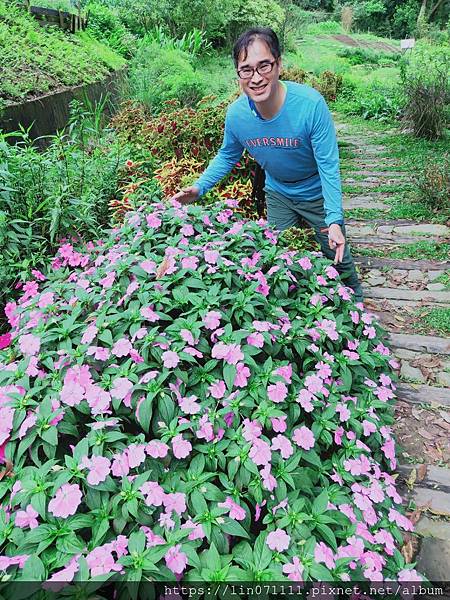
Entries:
{"x":278,"y":540}
{"x":29,"y":344}
{"x":99,"y":469}
{"x":304,"y":437}
{"x":170,"y":359}
{"x":343,"y":411}
{"x":197,"y":532}
{"x":285,"y":372}
{"x":211,"y":256}
{"x":230,"y":353}
{"x":149,"y":266}
{"x":305,"y":400}
{"x":153,"y":221}
{"x":89,"y":334}
{"x":27,"y":518}
{"x":260,"y":452}
{"x":153,"y":492}
{"x":242,"y":374}
{"x":66,"y":501}
{"x":98,"y":399}
{"x":269,"y":481}
{"x":324,"y":554}
{"x":189,"y":262}
{"x":5,"y":340}
{"x":189,"y":405}
{"x":236,"y":511}
{"x":331,"y":272}
{"x":181,"y":447}
{"x":100,"y":561}
{"x":277,"y":392}
{"x":122,"y":386}
{"x":175,"y":502}
{"x":409,"y":575}
{"x":281,"y":443}
{"x":63,"y":576}
{"x":217,"y":389}
{"x":251,"y":430}
{"x":255,"y":339}
{"x":136,"y":455}
{"x":157,"y":449}
{"x":120,"y":466}
{"x":212,"y":319}
{"x":279,"y":424}
{"x":148,"y":313}
{"x":305,"y":263}
{"x":294,"y":570}
{"x":28,"y":422}
{"x":176,"y":560}
{"x":122,"y":347}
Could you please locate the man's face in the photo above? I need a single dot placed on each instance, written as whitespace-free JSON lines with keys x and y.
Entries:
{"x":259,"y":87}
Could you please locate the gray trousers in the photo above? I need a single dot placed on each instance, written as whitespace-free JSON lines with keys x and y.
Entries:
{"x":282,"y":213}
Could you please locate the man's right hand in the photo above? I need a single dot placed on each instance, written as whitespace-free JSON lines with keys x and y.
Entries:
{"x":187,"y":195}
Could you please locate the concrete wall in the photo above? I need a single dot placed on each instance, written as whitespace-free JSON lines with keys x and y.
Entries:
{"x":50,"y":113}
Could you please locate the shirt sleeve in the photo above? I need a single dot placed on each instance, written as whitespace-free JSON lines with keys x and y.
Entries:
{"x":229,"y":154}
{"x":325,"y":148}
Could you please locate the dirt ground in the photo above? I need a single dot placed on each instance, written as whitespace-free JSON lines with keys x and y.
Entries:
{"x":349,"y":41}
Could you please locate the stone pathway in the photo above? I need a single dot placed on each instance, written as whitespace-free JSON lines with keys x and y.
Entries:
{"x":400,"y":292}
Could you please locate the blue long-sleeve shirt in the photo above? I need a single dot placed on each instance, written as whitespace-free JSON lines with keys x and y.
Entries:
{"x":297,"y":148}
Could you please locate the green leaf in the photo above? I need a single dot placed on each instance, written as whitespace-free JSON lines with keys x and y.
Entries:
{"x":50,"y":436}
{"x":137,"y":542}
{"x":198,"y":502}
{"x":38,"y":502}
{"x":233,"y":528}
{"x":327,"y":534}
{"x":262,"y":555}
{"x":33,"y":569}
{"x":320,"y":503}
{"x":145,"y":412}
{"x":229,"y":375}
{"x":212,"y":558}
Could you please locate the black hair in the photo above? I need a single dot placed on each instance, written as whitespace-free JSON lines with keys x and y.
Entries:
{"x":265,"y":34}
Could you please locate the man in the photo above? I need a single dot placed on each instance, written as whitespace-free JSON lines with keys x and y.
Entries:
{"x":288,"y":129}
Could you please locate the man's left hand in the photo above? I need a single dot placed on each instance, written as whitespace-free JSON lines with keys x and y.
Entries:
{"x":336,"y":241}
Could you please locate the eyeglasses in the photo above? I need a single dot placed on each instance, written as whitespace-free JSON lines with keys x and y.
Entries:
{"x":263,"y":69}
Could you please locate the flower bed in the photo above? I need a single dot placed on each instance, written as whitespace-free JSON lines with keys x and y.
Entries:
{"x":189,"y":400}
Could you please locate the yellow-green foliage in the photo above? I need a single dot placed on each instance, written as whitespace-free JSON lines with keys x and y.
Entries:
{"x":37,"y":59}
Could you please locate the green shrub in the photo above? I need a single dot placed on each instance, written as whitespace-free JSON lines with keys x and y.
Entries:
{"x":250,"y":13}
{"x":364,"y":56}
{"x":203,"y":404}
{"x":106,"y":26}
{"x":193,"y":43}
{"x":160,"y":74}
{"x":426,"y":86}
{"x":376,"y":102}
{"x":62,"y":191}
{"x":325,"y":27}
{"x":37,"y":60}
{"x":432,"y":180}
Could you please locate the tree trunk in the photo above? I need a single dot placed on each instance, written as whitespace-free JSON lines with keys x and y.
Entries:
{"x":434,"y":9}
{"x":422,"y":12}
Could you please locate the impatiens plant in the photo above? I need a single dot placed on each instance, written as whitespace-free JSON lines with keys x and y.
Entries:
{"x":188,"y":400}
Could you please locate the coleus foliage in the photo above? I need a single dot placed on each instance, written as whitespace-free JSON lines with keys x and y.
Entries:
{"x":186,"y":399}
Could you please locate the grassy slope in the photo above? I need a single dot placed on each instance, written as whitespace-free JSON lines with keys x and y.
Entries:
{"x":37,"y":60}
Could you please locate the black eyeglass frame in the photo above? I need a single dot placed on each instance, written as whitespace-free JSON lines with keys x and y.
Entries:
{"x":257,"y":69}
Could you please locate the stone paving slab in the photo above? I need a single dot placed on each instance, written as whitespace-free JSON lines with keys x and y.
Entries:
{"x":393,"y":232}
{"x":435,"y":477}
{"x":420,"y":343}
{"x":433,"y":528}
{"x":423,"y":394}
{"x":350,"y":203}
{"x":437,"y":297}
{"x":434,"y":560}
{"x":408,"y":265}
